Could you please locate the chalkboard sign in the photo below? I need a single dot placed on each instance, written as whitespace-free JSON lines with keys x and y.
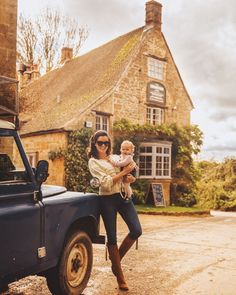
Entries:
{"x":155,"y":195}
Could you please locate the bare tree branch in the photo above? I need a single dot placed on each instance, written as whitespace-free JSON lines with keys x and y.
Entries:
{"x":27,"y":41}
{"x":43,"y":39}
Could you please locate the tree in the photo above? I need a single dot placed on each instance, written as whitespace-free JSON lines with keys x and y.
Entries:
{"x":27,"y":40}
{"x":39,"y":40}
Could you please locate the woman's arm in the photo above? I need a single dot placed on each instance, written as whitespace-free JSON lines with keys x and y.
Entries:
{"x":122,"y":162}
{"x":129,"y":178}
{"x":106,"y":180}
{"x":127,"y":169}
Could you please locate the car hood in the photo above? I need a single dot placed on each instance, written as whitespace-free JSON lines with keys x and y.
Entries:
{"x":52,"y":190}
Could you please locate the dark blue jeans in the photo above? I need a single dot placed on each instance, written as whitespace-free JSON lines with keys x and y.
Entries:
{"x":112,"y":204}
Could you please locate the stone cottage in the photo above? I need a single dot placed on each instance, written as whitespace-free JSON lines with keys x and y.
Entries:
{"x":133,"y":76}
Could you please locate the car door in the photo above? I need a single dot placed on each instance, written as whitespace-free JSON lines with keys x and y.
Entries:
{"x":20,"y":213}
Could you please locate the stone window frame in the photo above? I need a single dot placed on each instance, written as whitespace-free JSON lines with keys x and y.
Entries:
{"x":155,"y":160}
{"x":156,"y":68}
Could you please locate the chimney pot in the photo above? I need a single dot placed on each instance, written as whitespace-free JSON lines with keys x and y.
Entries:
{"x":153,"y":14}
{"x":66,"y":54}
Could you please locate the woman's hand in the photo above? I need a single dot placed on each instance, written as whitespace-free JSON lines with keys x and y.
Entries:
{"x":127,"y":169}
{"x":129,"y":178}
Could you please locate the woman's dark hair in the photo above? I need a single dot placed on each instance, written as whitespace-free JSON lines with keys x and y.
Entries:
{"x":92,"y":150}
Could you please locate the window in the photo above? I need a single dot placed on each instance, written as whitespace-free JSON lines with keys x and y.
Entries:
{"x":11,"y":165}
{"x":155,"y":68}
{"x":155,"y":160}
{"x":102,"y":122}
{"x":155,"y":116}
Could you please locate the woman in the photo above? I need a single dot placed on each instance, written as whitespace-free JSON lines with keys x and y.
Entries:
{"x":110,"y":178}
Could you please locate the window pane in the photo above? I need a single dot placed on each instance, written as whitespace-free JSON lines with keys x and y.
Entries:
{"x":145,"y":165}
{"x":149,"y":149}
{"x":101,"y":122}
{"x":159,"y":150}
{"x":149,"y":115}
{"x":142,"y":150}
{"x":161,"y":156}
{"x":11,"y":164}
{"x":166,"y":150}
{"x":154,"y":116}
{"x":146,"y":149}
{"x":98,"y":125}
{"x":155,"y":68}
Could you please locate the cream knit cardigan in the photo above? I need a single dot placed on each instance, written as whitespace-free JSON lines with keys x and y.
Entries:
{"x":104,"y":171}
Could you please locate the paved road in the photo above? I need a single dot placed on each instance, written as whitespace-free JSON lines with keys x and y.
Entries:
{"x":176,"y":256}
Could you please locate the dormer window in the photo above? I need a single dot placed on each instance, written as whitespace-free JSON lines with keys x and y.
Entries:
{"x":156,"y":68}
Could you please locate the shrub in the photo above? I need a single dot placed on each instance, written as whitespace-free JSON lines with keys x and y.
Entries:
{"x":216,"y":189}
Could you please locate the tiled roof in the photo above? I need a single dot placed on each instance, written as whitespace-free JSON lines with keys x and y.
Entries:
{"x":54,"y":100}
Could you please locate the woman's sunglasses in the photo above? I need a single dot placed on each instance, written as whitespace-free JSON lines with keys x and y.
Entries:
{"x":100,"y":143}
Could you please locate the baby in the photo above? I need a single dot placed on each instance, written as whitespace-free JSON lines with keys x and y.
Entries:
{"x":125,"y":158}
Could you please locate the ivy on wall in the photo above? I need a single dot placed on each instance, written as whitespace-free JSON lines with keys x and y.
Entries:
{"x":56,"y":154}
{"x":186,"y":142}
{"x":76,"y":160}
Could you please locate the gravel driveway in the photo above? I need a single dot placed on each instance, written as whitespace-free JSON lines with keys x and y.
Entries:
{"x":176,"y":256}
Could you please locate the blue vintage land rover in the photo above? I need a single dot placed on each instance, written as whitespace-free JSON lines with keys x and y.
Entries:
{"x":44,"y":229}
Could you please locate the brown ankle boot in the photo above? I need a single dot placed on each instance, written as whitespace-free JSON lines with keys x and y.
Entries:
{"x":116,"y":266}
{"x":125,"y":246}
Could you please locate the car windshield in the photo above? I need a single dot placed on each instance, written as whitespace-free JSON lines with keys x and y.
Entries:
{"x":11,"y":164}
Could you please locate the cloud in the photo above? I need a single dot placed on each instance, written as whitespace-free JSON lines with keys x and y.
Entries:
{"x":224,"y":114}
{"x":221,"y":148}
{"x":204,"y":43}
{"x":232,"y":128}
{"x":106,"y":16}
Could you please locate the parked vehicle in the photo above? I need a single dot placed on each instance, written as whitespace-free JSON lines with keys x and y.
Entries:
{"x":44,"y":229}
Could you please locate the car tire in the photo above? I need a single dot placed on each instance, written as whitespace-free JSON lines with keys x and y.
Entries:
{"x":74,"y":269}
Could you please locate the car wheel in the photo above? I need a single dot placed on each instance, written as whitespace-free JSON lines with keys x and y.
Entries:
{"x":74,"y":269}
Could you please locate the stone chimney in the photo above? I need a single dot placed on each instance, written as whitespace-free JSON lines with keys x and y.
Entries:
{"x":27,"y":73}
{"x":153,"y":14}
{"x":66,"y":54}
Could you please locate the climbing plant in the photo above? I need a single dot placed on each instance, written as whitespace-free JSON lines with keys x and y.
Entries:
{"x":186,"y":142}
{"x":76,"y":161}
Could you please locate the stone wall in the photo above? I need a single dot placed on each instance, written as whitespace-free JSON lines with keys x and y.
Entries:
{"x":6,"y":145}
{"x":42,"y":145}
{"x":8,"y":20}
{"x":130,"y":98}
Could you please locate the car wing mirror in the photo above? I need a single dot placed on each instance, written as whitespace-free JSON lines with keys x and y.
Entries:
{"x":95,"y":182}
{"x":41,"y":173}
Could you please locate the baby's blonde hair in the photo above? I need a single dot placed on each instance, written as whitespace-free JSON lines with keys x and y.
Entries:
{"x":130,"y":143}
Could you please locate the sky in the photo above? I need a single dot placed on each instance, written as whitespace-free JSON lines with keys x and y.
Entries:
{"x":202,"y":39}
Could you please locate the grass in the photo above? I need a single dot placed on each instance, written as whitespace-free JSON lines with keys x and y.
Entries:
{"x":149,"y":209}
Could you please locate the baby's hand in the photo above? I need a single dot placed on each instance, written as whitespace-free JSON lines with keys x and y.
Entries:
{"x":111,"y":162}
